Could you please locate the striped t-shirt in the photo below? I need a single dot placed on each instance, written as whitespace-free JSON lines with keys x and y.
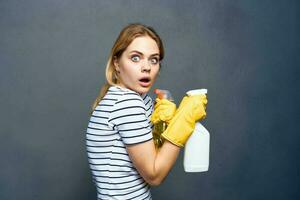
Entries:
{"x":121,"y":118}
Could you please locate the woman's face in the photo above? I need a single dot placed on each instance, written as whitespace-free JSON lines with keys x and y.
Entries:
{"x":138,"y":66}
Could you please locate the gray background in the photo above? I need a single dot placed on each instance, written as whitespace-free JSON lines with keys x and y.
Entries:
{"x":246,"y":53}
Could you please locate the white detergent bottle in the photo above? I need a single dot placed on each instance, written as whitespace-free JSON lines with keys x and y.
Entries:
{"x":196,"y":151}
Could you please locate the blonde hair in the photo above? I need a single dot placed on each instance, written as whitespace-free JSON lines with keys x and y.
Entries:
{"x":126,"y":36}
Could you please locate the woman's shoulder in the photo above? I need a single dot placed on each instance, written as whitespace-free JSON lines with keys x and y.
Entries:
{"x":125,"y":96}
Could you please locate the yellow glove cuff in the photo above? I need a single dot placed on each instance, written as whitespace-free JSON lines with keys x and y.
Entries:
{"x":182,"y":125}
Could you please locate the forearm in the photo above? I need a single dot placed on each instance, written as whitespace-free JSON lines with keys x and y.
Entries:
{"x":165,"y":158}
{"x":152,"y":164}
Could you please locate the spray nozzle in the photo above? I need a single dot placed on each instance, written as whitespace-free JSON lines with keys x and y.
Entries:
{"x":163,"y":94}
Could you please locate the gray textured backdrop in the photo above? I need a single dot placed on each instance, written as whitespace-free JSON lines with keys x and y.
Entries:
{"x":246,"y":53}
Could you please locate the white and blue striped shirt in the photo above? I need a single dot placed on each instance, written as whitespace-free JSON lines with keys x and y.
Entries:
{"x":121,"y":118}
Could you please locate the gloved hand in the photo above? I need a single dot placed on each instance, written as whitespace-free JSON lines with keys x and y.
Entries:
{"x":164,"y":110}
{"x":191,"y":110}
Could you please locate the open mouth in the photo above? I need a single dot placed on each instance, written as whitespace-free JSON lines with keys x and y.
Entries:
{"x":145,"y":80}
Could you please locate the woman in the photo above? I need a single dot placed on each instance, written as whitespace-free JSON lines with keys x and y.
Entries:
{"x":122,"y":155}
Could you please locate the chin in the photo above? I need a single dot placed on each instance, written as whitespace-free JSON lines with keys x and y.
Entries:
{"x":143,"y":90}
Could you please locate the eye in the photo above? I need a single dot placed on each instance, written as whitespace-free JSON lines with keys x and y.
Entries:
{"x":135,"y":58}
{"x":154,"y":61}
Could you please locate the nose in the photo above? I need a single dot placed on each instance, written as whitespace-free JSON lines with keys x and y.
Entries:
{"x":146,"y":66}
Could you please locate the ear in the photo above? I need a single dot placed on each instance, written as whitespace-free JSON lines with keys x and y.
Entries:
{"x":116,"y":63}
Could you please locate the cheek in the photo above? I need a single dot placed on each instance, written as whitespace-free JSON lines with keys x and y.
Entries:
{"x":128,"y":71}
{"x":129,"y":66}
{"x":155,"y":71}
{"x":124,"y":67}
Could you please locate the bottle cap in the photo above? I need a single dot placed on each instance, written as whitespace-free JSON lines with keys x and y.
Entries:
{"x":196,"y":92}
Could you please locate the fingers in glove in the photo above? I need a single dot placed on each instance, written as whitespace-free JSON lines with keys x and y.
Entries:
{"x":162,"y":102}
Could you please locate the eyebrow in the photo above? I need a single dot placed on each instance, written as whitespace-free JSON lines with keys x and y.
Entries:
{"x":135,"y":51}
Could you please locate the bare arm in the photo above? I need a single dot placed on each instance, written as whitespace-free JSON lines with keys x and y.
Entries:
{"x":152,"y":164}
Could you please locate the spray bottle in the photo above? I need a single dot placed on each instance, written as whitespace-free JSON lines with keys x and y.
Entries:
{"x":196,"y":151}
{"x":160,"y":127}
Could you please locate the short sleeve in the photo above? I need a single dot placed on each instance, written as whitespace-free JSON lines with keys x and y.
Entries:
{"x":128,"y":116}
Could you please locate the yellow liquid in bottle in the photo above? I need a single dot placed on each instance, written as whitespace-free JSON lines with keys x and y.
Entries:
{"x":161,"y":126}
{"x":158,"y":129}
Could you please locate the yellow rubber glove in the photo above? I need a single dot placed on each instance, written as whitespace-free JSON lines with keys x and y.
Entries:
{"x":191,"y":110}
{"x":164,"y":110}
